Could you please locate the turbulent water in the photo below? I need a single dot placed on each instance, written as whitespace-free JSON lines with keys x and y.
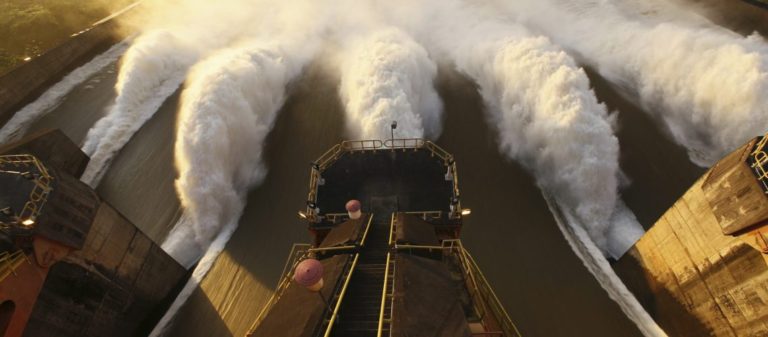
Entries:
{"x":705,"y":84}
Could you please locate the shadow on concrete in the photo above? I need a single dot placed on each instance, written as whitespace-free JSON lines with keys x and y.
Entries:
{"x":671,"y":315}
{"x":310,"y":122}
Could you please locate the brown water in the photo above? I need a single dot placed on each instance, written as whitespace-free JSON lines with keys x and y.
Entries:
{"x":513,"y":237}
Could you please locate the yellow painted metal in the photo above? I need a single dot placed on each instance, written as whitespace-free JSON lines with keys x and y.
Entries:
{"x":330,"y":249}
{"x":391,"y":228}
{"x":427,"y":215}
{"x":39,"y":194}
{"x":487,"y":297}
{"x":341,"y":297}
{"x":418,"y":247}
{"x":367,"y":227}
{"x":297,"y":251}
{"x":352,"y":146}
{"x":9,"y":262}
{"x":760,"y":158}
{"x":383,"y":297}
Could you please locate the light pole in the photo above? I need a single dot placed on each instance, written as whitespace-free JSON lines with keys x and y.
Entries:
{"x":392,"y":128}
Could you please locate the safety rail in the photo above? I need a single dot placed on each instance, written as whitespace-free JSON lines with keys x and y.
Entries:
{"x":351,"y":146}
{"x":367,"y":228}
{"x":383,"y":297}
{"x":336,"y":217}
{"x":428,"y":215}
{"x":298,"y":251}
{"x":9,"y":262}
{"x":485,"y":298}
{"x":759,"y":162}
{"x":341,"y":297}
{"x":39,"y":194}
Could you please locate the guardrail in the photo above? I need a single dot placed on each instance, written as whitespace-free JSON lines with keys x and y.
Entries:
{"x":485,"y":294}
{"x":484,"y":298}
{"x":383,"y":297}
{"x":341,"y":297}
{"x":759,"y":162}
{"x":9,"y":262}
{"x":298,"y":251}
{"x":21,"y":165}
{"x":350,"y":146}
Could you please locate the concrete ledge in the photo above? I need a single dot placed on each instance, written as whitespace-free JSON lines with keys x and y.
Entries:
{"x":25,"y":83}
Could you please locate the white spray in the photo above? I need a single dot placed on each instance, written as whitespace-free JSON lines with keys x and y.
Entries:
{"x":227,"y":111}
{"x":585,"y":249}
{"x":549,"y":119}
{"x":152,"y":69}
{"x":18,"y":125}
{"x":385,"y":77}
{"x":540,"y":101}
{"x":706,"y":84}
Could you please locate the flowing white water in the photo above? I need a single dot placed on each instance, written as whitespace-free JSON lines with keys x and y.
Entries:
{"x":152,"y":69}
{"x":706,"y":84}
{"x":549,"y":119}
{"x":18,"y":125}
{"x":540,"y":102}
{"x":590,"y":254}
{"x":227,"y":111}
{"x":386,"y":77}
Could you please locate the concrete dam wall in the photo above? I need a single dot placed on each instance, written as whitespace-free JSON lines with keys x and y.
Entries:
{"x":26,"y":82}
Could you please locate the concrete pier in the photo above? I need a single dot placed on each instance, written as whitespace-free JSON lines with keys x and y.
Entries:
{"x":84,"y":270}
{"x":702,"y":269}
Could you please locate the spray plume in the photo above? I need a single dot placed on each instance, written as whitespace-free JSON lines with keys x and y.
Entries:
{"x":156,"y":65}
{"x":549,"y":119}
{"x":152,"y":69}
{"x":385,"y":77}
{"x":706,"y":84}
{"x":227,"y":111}
{"x":18,"y":125}
{"x":541,"y":104}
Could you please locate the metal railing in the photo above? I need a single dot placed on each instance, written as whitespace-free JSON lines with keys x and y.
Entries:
{"x":350,"y":146}
{"x":20,"y":164}
{"x":427,"y":215}
{"x":383,"y":297}
{"x":341,"y":297}
{"x":9,"y":262}
{"x":759,"y":162}
{"x":484,"y":298}
{"x":483,"y":290}
{"x":298,"y":251}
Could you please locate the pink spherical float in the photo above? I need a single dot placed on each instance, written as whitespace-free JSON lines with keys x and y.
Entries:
{"x":309,"y":274}
{"x":354,"y":209}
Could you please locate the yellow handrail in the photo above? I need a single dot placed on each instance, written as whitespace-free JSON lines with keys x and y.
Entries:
{"x":39,"y":193}
{"x":9,"y":262}
{"x":328,"y":249}
{"x":426,"y":215}
{"x":298,"y":250}
{"x":383,"y":297}
{"x":367,"y":227}
{"x":341,"y":297}
{"x":760,"y":161}
{"x":391,"y":228}
{"x":338,"y":150}
{"x":480,"y":285}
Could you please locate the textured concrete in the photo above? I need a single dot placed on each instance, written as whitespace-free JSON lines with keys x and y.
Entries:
{"x":26,"y":82}
{"x":694,"y":279}
{"x":109,"y":288}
